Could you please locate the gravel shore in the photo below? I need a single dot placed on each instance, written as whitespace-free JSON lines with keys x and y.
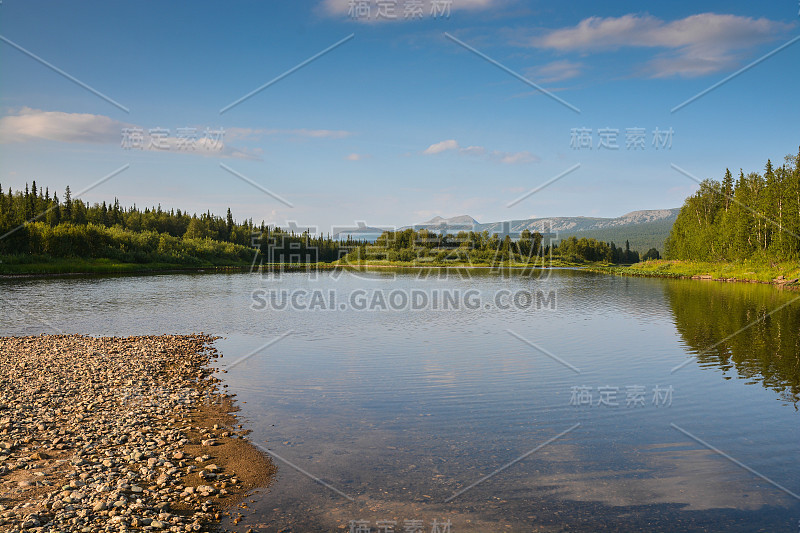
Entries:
{"x":119,"y":434}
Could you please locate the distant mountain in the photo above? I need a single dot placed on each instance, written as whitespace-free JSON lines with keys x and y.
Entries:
{"x":360,"y":232}
{"x":642,"y":236}
{"x":644,"y":229}
{"x":574,"y":225}
{"x":550,"y":224}
{"x":459,"y":220}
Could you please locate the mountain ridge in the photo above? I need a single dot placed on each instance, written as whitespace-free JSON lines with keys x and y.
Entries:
{"x":644,"y":228}
{"x":548,"y":224}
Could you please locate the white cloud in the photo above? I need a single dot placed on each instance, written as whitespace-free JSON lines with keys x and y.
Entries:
{"x":508,"y":158}
{"x":30,"y":124}
{"x":512,"y":158}
{"x":244,"y":133}
{"x":440,"y":147}
{"x":321,"y":134}
{"x":555,"y":71}
{"x":473,"y":150}
{"x":251,"y":133}
{"x":356,"y":157}
{"x":696,"y":45}
{"x":36,"y":125}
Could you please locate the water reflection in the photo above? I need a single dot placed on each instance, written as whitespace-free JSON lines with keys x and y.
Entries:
{"x":402,"y":409}
{"x":747,"y":331}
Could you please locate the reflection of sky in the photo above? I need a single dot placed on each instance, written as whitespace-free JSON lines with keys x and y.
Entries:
{"x":361,"y":397}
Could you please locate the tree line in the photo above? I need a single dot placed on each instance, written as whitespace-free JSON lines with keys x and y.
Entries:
{"x":35,"y":224}
{"x":754,"y":216}
{"x":486,"y":248}
{"x":32,"y":222}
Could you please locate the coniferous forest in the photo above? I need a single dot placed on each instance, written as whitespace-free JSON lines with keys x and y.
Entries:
{"x":484,"y":248}
{"x":37,"y":227}
{"x":751,"y":216}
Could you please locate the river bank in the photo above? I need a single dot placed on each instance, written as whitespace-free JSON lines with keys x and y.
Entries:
{"x":119,"y":434}
{"x":786,"y":274}
{"x":17,"y":265}
{"x":46,"y":266}
{"x":91,"y":267}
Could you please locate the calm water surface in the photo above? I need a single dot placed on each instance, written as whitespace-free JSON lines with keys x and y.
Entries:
{"x":622,"y":404}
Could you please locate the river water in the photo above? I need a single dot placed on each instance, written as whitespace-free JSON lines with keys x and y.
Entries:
{"x":476,"y":401}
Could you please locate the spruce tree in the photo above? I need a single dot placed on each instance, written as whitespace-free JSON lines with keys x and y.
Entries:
{"x":67,"y":214}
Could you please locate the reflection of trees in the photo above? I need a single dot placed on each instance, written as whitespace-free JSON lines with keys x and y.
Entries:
{"x":767,"y":352}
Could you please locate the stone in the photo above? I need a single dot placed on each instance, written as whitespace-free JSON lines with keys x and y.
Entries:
{"x":100,"y":417}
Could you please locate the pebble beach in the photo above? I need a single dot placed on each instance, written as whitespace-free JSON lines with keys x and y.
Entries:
{"x":119,"y":434}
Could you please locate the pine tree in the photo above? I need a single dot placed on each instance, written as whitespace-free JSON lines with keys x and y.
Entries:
{"x":229,"y":224}
{"x":767,"y":205}
{"x":727,"y":188}
{"x":67,"y":214}
{"x":36,"y":202}
{"x":54,"y":214}
{"x":28,"y":211}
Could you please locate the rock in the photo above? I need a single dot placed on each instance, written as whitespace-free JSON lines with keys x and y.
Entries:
{"x":28,"y":524}
{"x":205,"y":490}
{"x":104,"y":416}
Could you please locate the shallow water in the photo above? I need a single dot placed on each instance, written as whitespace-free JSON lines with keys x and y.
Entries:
{"x":615,"y":404}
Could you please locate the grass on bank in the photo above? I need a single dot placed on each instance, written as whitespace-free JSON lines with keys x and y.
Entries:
{"x":33,"y":265}
{"x":749,"y":270}
{"x":46,"y":265}
{"x":432,"y":262}
{"x":42,"y":265}
{"x":745,"y":270}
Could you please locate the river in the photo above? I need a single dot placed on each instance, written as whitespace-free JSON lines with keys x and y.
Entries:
{"x":477,"y":401}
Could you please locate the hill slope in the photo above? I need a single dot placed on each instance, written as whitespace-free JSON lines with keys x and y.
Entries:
{"x":643,"y":229}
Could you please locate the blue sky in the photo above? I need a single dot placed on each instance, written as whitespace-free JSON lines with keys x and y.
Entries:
{"x":399,"y":123}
